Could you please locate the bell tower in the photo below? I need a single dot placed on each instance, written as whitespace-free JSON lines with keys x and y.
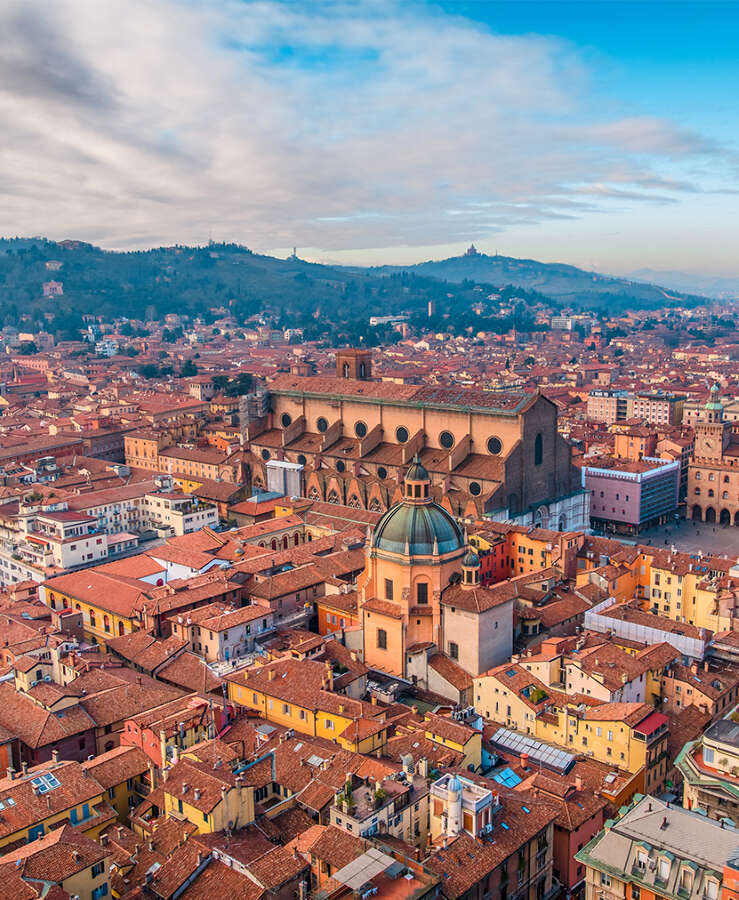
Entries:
{"x":353,"y":363}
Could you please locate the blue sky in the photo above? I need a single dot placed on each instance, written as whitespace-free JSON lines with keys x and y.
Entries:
{"x":598,"y":133}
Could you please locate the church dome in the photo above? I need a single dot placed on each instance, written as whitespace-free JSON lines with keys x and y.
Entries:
{"x":425,"y":528}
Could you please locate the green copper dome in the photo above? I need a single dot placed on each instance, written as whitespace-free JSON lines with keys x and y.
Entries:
{"x":420,"y":526}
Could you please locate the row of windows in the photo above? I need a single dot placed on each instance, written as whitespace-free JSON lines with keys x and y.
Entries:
{"x":724,"y":494}
{"x":446,"y":438}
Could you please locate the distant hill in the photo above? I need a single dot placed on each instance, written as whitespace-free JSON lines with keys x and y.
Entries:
{"x":568,"y":284}
{"x":707,"y":285}
{"x":328,"y":302}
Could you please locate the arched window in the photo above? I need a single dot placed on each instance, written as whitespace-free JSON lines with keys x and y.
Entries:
{"x":346,"y":370}
{"x":121,"y":629}
{"x":538,"y":450}
{"x":274,"y":544}
{"x":296,"y":539}
{"x":284,"y":542}
{"x":106,"y":623}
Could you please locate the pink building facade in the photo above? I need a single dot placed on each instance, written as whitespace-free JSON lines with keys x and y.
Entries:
{"x":629,"y":496}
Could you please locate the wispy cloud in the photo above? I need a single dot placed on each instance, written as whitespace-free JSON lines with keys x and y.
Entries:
{"x":337,"y":125}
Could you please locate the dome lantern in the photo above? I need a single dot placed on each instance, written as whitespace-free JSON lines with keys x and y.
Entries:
{"x":417,"y":483}
{"x":470,"y":569}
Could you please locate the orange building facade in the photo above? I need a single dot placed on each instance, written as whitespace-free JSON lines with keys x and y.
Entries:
{"x":415,"y":550}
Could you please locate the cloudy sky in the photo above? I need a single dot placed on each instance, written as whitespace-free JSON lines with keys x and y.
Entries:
{"x":599,"y":133}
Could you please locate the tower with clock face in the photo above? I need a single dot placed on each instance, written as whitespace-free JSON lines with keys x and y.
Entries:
{"x":712,"y":433}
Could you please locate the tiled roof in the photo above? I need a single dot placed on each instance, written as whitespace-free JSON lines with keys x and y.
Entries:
{"x":117,"y":765}
{"x":466,"y":861}
{"x":58,"y":855}
{"x":29,"y":807}
{"x":450,"y":671}
{"x":337,"y":847}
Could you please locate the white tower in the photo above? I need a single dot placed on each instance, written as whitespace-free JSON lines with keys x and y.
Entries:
{"x":454,"y":806}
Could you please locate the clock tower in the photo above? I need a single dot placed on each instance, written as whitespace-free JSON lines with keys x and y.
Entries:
{"x":712,"y":433}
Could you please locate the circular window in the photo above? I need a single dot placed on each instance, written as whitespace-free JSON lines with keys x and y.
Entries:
{"x":401,"y":435}
{"x":446,"y":439}
{"x":301,"y":459}
{"x":286,"y":419}
{"x":265,"y":454}
{"x":321,"y":424}
{"x":382,"y":472}
{"x":475,"y":488}
{"x":360,"y":429}
{"x":494,"y":445}
{"x":340,"y":465}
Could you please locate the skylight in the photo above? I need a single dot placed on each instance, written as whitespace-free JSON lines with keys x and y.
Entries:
{"x":45,"y":783}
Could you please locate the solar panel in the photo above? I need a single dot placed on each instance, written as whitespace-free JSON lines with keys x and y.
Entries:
{"x":552,"y":757}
